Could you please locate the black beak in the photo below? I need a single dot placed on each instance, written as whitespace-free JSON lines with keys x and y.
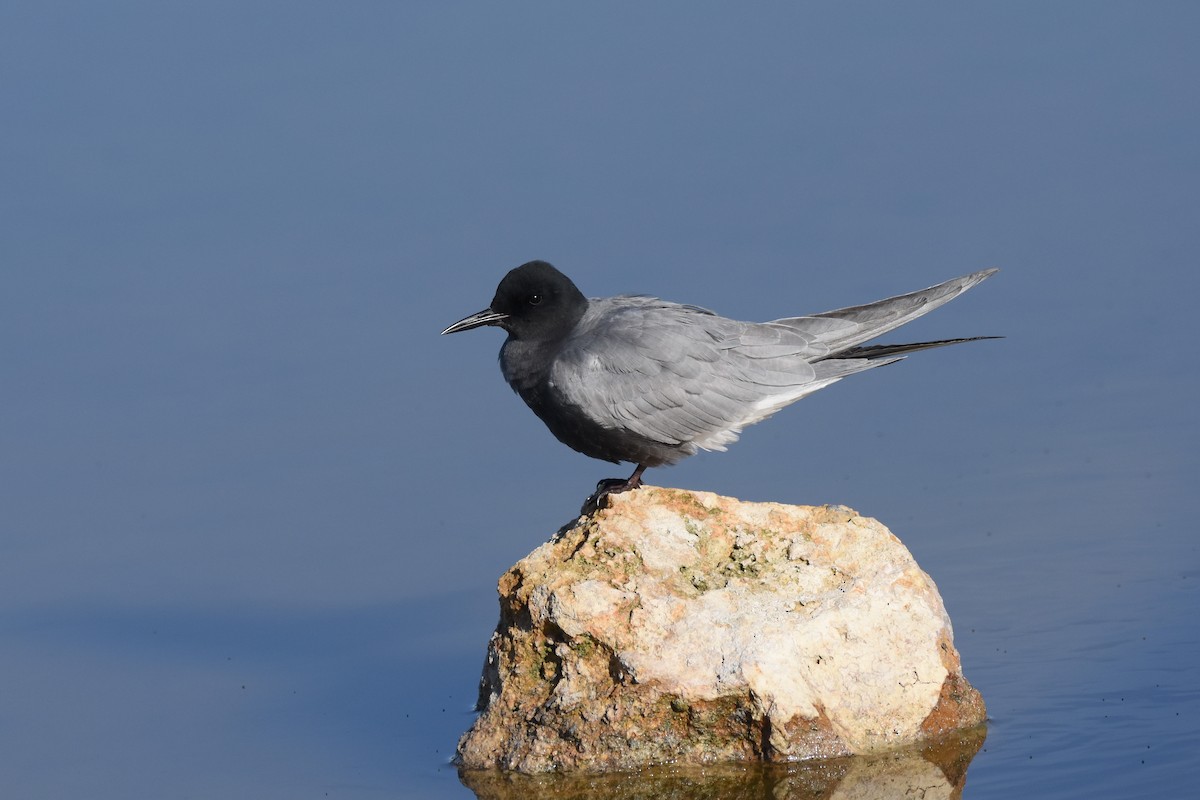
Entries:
{"x":485,"y":317}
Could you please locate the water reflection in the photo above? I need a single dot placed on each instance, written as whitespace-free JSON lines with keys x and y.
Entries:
{"x":933,"y":770}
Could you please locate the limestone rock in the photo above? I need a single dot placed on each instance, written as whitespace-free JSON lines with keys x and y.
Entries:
{"x":687,"y":627}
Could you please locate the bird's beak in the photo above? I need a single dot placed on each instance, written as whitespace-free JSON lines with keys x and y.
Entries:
{"x":485,"y":317}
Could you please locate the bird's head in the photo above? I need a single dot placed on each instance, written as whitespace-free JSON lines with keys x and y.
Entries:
{"x":534,"y":301}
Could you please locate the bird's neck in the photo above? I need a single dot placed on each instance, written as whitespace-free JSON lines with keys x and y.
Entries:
{"x":526,"y":365}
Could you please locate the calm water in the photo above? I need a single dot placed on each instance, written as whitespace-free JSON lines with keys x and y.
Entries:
{"x":1079,"y":629}
{"x":253,"y":508}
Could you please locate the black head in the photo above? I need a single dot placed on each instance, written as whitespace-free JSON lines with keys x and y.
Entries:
{"x":534,"y":301}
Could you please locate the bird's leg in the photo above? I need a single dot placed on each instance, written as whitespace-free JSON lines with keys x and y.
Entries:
{"x":608,"y":486}
{"x":635,"y":480}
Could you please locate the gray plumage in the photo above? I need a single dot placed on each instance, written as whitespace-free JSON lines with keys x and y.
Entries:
{"x":644,"y":380}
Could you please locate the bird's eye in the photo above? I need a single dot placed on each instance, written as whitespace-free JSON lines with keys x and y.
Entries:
{"x":535,"y":299}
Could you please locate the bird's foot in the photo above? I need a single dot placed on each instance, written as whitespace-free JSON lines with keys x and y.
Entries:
{"x":604,"y":489}
{"x":610,"y":486}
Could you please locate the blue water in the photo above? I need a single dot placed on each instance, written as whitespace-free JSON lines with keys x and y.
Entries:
{"x":253,"y":508}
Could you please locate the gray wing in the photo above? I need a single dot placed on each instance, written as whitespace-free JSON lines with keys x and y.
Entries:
{"x":845,"y":328}
{"x":683,"y":376}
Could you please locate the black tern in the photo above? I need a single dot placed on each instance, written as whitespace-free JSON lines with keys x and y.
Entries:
{"x":638,"y":379}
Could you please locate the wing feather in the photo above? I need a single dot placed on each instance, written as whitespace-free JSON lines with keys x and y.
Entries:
{"x":680,"y":375}
{"x":845,"y":328}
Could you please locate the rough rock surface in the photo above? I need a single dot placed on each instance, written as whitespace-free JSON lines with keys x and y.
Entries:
{"x":683,"y":626}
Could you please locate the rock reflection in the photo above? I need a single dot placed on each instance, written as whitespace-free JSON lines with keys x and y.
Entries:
{"x":931,"y":771}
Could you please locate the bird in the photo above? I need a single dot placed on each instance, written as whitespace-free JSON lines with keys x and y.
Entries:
{"x":637,"y":379}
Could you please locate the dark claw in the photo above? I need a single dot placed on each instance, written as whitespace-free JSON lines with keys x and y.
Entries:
{"x":612,"y":485}
{"x":599,"y":498}
{"x":609,"y":486}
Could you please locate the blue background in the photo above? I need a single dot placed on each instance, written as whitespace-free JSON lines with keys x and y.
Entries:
{"x":252,"y":507}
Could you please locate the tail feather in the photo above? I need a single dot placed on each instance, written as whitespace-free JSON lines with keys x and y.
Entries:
{"x":875,"y":351}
